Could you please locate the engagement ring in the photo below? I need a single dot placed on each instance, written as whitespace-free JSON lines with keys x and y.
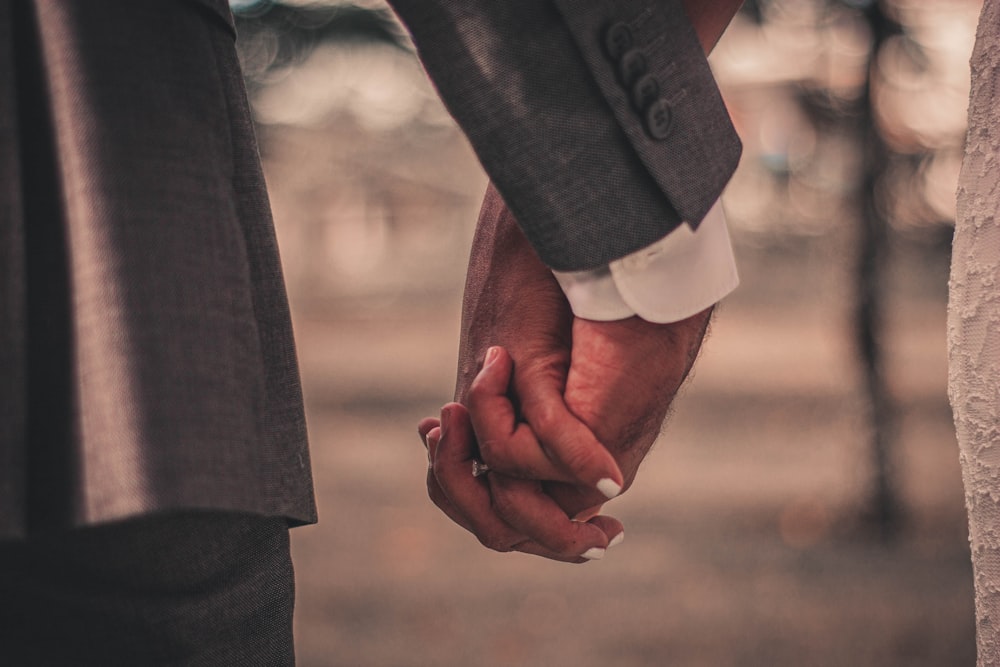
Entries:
{"x":479,"y":468}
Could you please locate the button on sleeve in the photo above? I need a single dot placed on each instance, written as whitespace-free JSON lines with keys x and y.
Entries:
{"x":645,"y":91}
{"x":617,"y":40}
{"x":632,"y":66}
{"x":659,"y":120}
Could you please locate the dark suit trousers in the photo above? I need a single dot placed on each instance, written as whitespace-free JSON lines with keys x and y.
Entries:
{"x":185,"y":588}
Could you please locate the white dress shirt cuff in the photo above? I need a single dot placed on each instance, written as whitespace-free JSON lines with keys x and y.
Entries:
{"x":682,"y":274}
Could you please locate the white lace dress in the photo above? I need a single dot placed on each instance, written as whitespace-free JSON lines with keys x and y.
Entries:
{"x":974,"y":329}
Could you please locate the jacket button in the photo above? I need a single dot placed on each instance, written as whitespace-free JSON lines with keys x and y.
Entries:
{"x":659,"y":118}
{"x":631,"y":66}
{"x":617,"y":40}
{"x":645,"y":91}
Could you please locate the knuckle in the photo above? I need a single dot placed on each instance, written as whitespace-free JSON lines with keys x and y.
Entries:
{"x":562,"y":545}
{"x":504,"y":503}
{"x":494,"y":541}
{"x":491,"y":451}
{"x":568,"y":543}
{"x":479,"y":390}
{"x":582,"y":456}
{"x":442,"y":477}
{"x":435,"y":493}
{"x":501,"y":455}
{"x":519,"y":471}
{"x":546,"y":419}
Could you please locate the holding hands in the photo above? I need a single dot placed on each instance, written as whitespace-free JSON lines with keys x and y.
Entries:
{"x":560,"y":410}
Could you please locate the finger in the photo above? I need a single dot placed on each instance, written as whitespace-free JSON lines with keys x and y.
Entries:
{"x":525,"y":506}
{"x":430,"y":442}
{"x":536,"y":549}
{"x":611,"y":527}
{"x":467,"y":496}
{"x":568,"y":441}
{"x":434,"y":491}
{"x":553,"y":434}
{"x":526,"y":546}
{"x":588,"y":513}
{"x":506,"y":445}
{"x":466,"y":500}
{"x":425,"y":426}
{"x":608,"y":525}
{"x":579,"y":502}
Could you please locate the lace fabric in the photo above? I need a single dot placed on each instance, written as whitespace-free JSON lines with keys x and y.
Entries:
{"x":974,"y":329}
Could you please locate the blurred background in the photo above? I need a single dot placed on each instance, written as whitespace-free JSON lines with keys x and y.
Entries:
{"x":804,"y":505}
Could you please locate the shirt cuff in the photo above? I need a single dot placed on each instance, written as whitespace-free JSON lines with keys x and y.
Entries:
{"x":680,"y":275}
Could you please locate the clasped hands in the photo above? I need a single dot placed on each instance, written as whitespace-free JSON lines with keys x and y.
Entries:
{"x":561,"y":409}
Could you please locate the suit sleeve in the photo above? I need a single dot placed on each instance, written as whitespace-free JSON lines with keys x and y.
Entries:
{"x":598,"y":121}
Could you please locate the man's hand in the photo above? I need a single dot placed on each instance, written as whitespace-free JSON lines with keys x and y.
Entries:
{"x":622,"y":379}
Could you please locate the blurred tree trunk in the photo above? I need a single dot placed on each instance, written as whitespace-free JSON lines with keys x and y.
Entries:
{"x":883,"y":509}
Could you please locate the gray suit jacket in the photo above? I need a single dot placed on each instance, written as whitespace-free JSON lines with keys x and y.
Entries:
{"x":146,"y":354}
{"x":598,"y":120}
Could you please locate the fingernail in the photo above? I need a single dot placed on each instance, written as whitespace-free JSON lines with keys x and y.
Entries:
{"x":491,"y":355}
{"x":594,"y":553}
{"x":617,"y":539}
{"x":609,"y":487}
{"x":445,"y":419}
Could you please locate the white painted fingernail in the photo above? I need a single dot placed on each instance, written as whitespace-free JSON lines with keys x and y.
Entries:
{"x":617,"y":539}
{"x":594,"y":553}
{"x":609,"y":487}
